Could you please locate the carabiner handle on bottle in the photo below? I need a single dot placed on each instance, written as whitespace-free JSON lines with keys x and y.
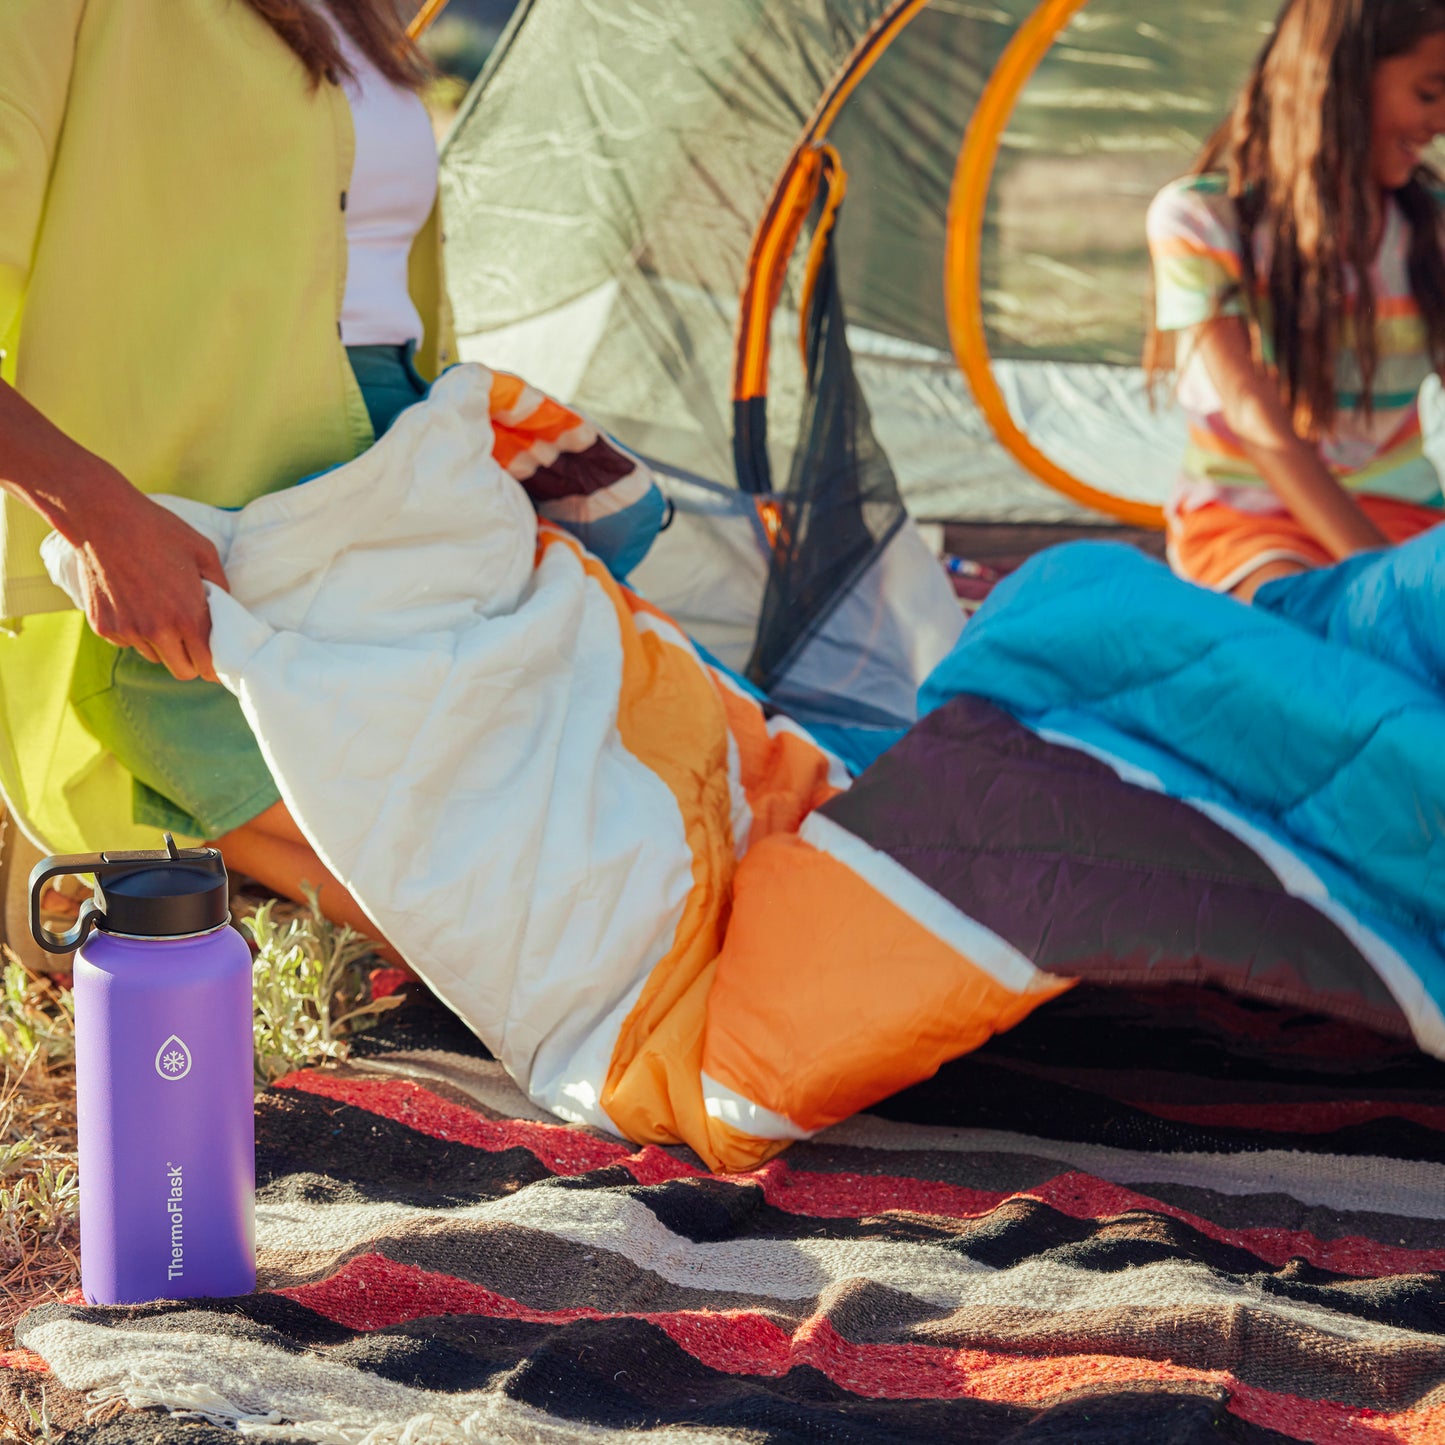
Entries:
{"x":91,"y":914}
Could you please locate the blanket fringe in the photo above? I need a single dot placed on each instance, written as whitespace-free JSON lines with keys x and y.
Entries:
{"x":476,"y":1429}
{"x":145,"y":1393}
{"x":503,"y":1420}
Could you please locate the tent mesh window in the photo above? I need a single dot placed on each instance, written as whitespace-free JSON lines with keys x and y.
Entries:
{"x":841,"y":504}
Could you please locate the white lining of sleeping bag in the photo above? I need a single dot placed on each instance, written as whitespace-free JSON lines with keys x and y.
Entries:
{"x":739,"y":1112}
{"x":488,"y":816}
{"x":569,"y":1091}
{"x":571,"y":1088}
{"x":569,"y":1081}
{"x":1300,"y":881}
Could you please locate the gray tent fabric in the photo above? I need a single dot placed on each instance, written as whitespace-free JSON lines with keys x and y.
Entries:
{"x":602,"y":189}
{"x":861,"y":666}
{"x":604,"y":181}
{"x":616,"y":161}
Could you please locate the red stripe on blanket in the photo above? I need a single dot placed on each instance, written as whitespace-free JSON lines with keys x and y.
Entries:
{"x":26,"y":1360}
{"x":373,"y":1293}
{"x":1316,"y":1117}
{"x":387,"y":981}
{"x":1327,"y":1423}
{"x":566,"y":1150}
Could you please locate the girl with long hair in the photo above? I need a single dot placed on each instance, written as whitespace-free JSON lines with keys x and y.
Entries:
{"x":1300,"y":295}
{"x":219,"y":273}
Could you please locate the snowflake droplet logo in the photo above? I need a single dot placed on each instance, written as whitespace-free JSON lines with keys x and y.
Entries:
{"x":173,"y":1059}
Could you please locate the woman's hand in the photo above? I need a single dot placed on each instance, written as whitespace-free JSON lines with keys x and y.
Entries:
{"x":143,"y":568}
{"x":143,"y":571}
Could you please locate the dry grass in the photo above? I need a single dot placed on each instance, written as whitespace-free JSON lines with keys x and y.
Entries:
{"x":38,"y":1188}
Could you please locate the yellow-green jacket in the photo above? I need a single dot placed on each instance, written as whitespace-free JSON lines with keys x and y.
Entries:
{"x":172,"y":266}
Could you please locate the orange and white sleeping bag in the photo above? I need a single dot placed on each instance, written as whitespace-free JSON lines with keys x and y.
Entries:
{"x":595,"y":847}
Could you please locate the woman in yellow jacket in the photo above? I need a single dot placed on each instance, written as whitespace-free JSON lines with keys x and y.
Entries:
{"x":174,"y":297}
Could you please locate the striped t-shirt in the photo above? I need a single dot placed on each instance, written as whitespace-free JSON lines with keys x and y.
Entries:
{"x":1195,"y":245}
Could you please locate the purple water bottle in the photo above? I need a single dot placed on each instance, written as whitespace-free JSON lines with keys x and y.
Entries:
{"x":163,"y":1063}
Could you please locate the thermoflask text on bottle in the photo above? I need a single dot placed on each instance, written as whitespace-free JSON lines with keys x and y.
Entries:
{"x":163,"y":1062}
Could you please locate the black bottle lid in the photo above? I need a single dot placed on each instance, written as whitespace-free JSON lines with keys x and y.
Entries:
{"x":163,"y":894}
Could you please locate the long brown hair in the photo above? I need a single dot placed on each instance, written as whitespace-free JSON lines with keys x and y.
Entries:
{"x":1297,"y":159}
{"x":375,"y":25}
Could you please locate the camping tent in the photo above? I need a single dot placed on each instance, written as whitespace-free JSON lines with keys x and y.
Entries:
{"x":643,"y":217}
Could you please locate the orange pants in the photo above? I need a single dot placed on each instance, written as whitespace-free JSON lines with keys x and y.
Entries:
{"x":1219,"y":546}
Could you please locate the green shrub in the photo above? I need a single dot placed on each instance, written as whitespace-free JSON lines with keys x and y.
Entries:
{"x":312,"y":989}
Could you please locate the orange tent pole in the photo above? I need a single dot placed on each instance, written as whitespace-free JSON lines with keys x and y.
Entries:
{"x":424,"y":17}
{"x":962,"y":276}
{"x":777,"y":230}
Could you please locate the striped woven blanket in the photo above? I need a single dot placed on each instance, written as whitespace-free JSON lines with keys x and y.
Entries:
{"x":1163,"y":1216}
